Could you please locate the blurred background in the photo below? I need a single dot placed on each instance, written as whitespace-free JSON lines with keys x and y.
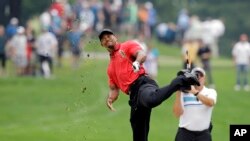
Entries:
{"x":233,"y":14}
{"x":53,"y":82}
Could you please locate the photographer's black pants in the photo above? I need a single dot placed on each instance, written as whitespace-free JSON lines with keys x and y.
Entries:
{"x":144,"y":95}
{"x":186,"y":135}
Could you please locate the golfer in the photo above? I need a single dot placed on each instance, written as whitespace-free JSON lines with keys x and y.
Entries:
{"x":194,"y":110}
{"x":126,"y":73}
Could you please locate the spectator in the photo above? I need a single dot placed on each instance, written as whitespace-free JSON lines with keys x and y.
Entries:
{"x":195,"y":29}
{"x":241,"y":56}
{"x":18,"y":45}
{"x":87,"y":18}
{"x":129,"y":18}
{"x":46,"y":47}
{"x":45,"y":19}
{"x":152,"y":19}
{"x":74,"y":37}
{"x":58,"y":27}
{"x":194,"y":110}
{"x":204,"y":54}
{"x":107,"y":13}
{"x":212,"y":29}
{"x":166,"y":32}
{"x":3,"y":41}
{"x":115,"y":9}
{"x":58,"y":6}
{"x":182,"y":24}
{"x":151,"y":62}
{"x":31,"y":53}
{"x":143,"y":19}
{"x":11,"y":28}
{"x":218,"y":29}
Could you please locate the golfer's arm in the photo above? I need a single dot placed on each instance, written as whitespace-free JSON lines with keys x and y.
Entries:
{"x":140,"y":56}
{"x":113,"y":93}
{"x":177,"y":109}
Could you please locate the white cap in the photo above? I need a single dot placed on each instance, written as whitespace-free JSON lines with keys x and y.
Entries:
{"x":198,"y":69}
{"x":20,"y":30}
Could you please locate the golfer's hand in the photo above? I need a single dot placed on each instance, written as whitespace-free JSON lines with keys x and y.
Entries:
{"x":136,"y":66}
{"x":110,"y":104}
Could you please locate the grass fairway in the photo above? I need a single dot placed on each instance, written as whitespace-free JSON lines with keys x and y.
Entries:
{"x":72,"y":107}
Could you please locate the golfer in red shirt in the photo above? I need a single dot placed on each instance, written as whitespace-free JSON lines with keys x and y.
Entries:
{"x":126,"y":73}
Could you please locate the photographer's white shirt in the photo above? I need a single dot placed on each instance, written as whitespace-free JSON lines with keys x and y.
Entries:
{"x":196,"y":116}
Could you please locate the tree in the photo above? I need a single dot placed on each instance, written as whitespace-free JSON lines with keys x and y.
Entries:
{"x":9,"y":9}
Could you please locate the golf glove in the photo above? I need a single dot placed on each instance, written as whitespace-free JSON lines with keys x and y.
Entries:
{"x":136,"y":66}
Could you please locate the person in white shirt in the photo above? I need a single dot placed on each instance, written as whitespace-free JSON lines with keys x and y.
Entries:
{"x":241,"y":59}
{"x":46,"y":47}
{"x":18,"y":45}
{"x":194,"y":110}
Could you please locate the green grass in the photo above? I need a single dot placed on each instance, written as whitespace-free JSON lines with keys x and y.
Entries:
{"x":60,"y":109}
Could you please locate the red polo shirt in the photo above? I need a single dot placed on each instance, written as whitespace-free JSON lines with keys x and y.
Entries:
{"x":120,"y":71}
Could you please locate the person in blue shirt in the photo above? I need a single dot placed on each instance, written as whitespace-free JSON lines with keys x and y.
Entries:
{"x":11,"y":28}
{"x":74,"y":38}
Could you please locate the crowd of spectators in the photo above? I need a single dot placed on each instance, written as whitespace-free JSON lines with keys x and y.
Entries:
{"x":39,"y":45}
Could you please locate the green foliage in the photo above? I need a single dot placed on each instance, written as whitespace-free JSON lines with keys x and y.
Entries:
{"x":31,"y":8}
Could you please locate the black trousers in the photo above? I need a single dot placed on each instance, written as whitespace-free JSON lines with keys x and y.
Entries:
{"x":144,"y":95}
{"x":186,"y":135}
{"x":3,"y":60}
{"x":42,"y":59}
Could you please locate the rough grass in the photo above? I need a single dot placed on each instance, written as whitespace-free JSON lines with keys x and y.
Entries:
{"x":72,"y":105}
